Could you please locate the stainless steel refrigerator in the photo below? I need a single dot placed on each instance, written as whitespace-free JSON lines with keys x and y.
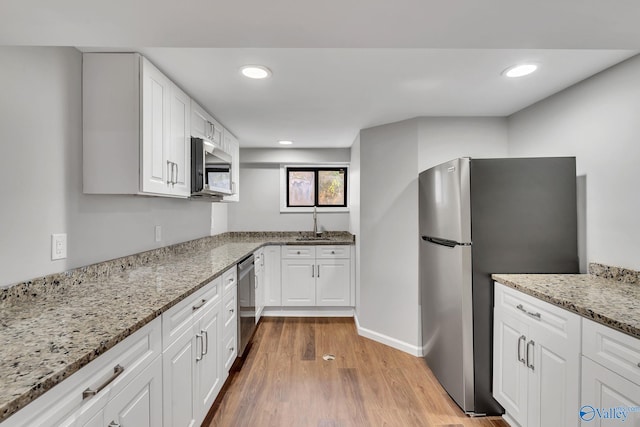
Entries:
{"x":477,"y":217}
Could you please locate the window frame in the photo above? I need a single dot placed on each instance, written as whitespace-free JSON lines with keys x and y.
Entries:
{"x":284,"y":187}
{"x":316,"y":193}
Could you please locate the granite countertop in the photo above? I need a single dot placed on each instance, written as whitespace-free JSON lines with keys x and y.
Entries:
{"x":611,"y":302}
{"x":50,"y":330}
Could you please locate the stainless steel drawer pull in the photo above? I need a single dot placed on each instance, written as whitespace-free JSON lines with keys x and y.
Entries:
{"x":231,"y":279}
{"x":199,"y":305}
{"x":298,"y":252}
{"x":521,"y":308}
{"x":530,"y":365}
{"x":520,"y":358}
{"x":117,"y":370}
{"x":534,"y":315}
{"x":333,"y":252}
{"x":114,"y":424}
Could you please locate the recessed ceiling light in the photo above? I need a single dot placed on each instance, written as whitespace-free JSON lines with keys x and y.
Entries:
{"x":520,"y":70}
{"x":285,"y":142}
{"x":255,"y":71}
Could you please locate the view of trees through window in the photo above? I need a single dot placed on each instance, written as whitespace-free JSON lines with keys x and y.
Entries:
{"x":316,"y":187}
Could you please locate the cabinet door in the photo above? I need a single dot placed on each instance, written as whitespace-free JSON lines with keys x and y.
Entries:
{"x":178,"y":368}
{"x":510,"y":373}
{"x":139,"y":404}
{"x":156,"y":95}
{"x":554,"y":373}
{"x":180,"y":142}
{"x":199,"y":124}
{"x":298,"y":282}
{"x":260,"y":282}
{"x":333,"y":278}
{"x":605,"y":391}
{"x":210,"y":364}
{"x":233,"y":148}
{"x":272,"y":276}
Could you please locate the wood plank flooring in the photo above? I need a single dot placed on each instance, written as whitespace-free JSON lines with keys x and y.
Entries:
{"x":285,"y":382}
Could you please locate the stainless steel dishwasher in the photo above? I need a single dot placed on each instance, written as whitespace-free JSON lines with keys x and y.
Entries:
{"x":246,"y":303}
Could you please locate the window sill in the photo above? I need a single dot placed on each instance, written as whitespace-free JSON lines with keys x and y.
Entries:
{"x":310,"y":210}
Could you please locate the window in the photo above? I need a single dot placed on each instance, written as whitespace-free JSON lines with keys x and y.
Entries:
{"x":321,"y":186}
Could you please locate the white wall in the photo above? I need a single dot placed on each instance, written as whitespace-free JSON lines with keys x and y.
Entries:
{"x":354,"y":214}
{"x":445,"y":138}
{"x":598,"y":121}
{"x":391,"y":157}
{"x":388,"y":310}
{"x":259,"y":206}
{"x":41,"y":172}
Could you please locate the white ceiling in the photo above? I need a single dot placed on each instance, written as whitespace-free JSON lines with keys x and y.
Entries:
{"x":372,"y":61}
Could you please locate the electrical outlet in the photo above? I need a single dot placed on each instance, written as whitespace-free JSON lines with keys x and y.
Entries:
{"x":58,"y":246}
{"x":158,"y":233}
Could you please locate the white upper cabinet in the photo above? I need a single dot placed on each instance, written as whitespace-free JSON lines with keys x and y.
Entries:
{"x":233,"y":148}
{"x":136,"y":126}
{"x":204,"y":126}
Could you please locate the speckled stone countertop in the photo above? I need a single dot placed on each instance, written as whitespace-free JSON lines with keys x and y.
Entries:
{"x":614,"y":303}
{"x":53,"y":326}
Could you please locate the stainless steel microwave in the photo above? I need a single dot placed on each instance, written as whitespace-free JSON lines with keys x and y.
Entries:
{"x":210,"y":170}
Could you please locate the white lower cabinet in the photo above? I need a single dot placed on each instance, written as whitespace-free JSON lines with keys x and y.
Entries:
{"x":139,"y":404}
{"x":316,"y":276}
{"x":272,"y":276}
{"x":259,"y":272}
{"x":192,"y":362}
{"x":536,"y":364}
{"x":103,"y":386}
{"x":610,"y":377}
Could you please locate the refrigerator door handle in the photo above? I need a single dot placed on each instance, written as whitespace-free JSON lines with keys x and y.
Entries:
{"x":441,"y":242}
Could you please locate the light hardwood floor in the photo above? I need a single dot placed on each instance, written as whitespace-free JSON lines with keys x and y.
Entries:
{"x":285,"y":382}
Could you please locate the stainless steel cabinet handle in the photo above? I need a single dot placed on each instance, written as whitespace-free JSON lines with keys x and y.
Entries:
{"x":520,"y":358}
{"x":530,"y":365}
{"x":175,"y":176}
{"x":298,"y":252}
{"x":521,"y":308}
{"x":231,"y":349}
{"x":206,"y":341}
{"x":232,"y":310}
{"x":169,"y":172}
{"x":318,"y":275}
{"x":117,"y":370}
{"x":535,"y":315}
{"x":638,"y":364}
{"x":333,"y":252}
{"x":199,"y":305}
{"x":231,"y":279}
{"x":114,"y":424}
{"x":199,"y":356}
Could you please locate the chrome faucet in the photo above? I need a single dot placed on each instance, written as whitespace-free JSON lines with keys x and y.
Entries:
{"x":315,"y":223}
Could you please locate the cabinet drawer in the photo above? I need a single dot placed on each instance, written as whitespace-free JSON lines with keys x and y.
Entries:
{"x":341,"y":251}
{"x":180,"y":317}
{"x":612,"y":349}
{"x":229,"y":279}
{"x":230,"y":312}
{"x":230,"y":351}
{"x":553,"y":320}
{"x":293,"y":252}
{"x":109,"y":373}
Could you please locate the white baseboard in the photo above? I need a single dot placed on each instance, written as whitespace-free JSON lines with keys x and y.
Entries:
{"x":387,"y":340}
{"x":307,"y":312}
{"x":510,"y":420}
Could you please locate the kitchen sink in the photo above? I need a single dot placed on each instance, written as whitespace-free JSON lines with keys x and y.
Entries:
{"x":311,"y":239}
